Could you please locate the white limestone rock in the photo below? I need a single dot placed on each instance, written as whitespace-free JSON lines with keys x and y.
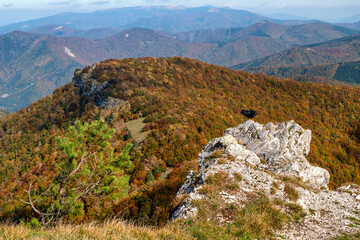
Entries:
{"x":283,"y":147}
{"x":261,"y":155}
{"x":231,"y":146}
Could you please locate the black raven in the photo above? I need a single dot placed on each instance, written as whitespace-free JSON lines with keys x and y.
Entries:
{"x":248,"y":113}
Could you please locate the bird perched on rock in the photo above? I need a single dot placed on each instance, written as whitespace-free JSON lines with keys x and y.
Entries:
{"x":248,"y":113}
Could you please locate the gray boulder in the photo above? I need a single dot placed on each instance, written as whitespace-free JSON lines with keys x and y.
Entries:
{"x":262,"y":155}
{"x":283,"y":147}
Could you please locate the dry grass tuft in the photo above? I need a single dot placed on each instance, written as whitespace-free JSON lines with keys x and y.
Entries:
{"x":112,"y":229}
{"x":238,"y":176}
{"x":291,"y":192}
{"x":294,"y":181}
{"x":295,"y":211}
{"x":218,"y":153}
{"x":221,"y":160}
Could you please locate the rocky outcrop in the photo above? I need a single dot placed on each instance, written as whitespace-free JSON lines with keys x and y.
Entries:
{"x":284,"y":147}
{"x":92,"y":88}
{"x":267,"y":156}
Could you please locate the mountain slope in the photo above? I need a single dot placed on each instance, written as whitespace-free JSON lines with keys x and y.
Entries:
{"x":33,"y":65}
{"x":64,"y":31}
{"x":297,"y":35}
{"x":97,"y":19}
{"x":198,"y":19}
{"x":183,"y":103}
{"x":139,"y":42}
{"x":304,"y":34}
{"x":339,"y":50}
{"x":171,"y":19}
{"x":315,"y":33}
{"x":210,"y":35}
{"x":344,"y":72}
{"x":250,"y":47}
{"x":355,"y":25}
{"x":330,"y":62}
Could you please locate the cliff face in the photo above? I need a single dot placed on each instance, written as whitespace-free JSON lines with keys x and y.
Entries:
{"x":269,"y":160}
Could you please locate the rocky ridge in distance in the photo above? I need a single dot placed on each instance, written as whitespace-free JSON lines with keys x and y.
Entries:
{"x":270,"y":160}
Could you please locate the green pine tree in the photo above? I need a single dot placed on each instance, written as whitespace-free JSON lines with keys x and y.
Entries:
{"x":87,"y":170}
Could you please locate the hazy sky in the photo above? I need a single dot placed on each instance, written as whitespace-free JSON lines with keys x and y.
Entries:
{"x":320,"y":9}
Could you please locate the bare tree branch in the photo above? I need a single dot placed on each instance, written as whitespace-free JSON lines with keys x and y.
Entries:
{"x":32,"y":203}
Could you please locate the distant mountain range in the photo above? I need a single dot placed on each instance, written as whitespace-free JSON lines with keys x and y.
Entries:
{"x":169,"y":19}
{"x":335,"y":73}
{"x":354,"y":18}
{"x":302,"y":34}
{"x":346,"y":49}
{"x":336,"y":60}
{"x":65,"y":31}
{"x":290,"y":34}
{"x":355,"y":25}
{"x":157,"y":18}
{"x":34,"y":63}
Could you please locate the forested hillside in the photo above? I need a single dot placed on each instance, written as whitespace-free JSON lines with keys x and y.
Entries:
{"x":339,"y":50}
{"x":33,"y":65}
{"x":335,"y":73}
{"x":332,"y":61}
{"x":168,"y":108}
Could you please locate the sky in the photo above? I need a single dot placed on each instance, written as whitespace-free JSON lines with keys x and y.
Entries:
{"x":329,"y":10}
